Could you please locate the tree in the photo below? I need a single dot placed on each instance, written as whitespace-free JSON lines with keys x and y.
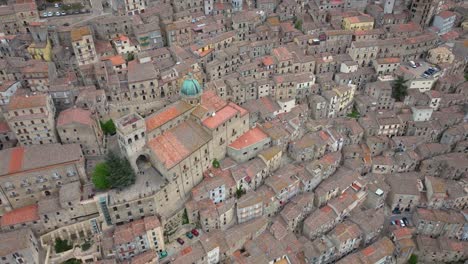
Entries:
{"x":413,"y":259}
{"x":121,"y":173}
{"x":61,"y":245}
{"x":108,"y":127}
{"x":298,"y":24}
{"x":86,"y":245}
{"x":354,"y":113}
{"x":185,"y":219}
{"x":130,"y":56}
{"x":399,"y":89}
{"x":115,"y":172}
{"x":216,"y":163}
{"x":100,"y":176}
{"x":240,"y":192}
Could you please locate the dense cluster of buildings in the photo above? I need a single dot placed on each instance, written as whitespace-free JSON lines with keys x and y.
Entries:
{"x":259,"y":131}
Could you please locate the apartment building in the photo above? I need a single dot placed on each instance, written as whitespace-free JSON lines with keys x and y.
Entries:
{"x":138,"y":237}
{"x":31,"y":118}
{"x":76,"y":125}
{"x":20,"y":246}
{"x":83,"y":46}
{"x":31,"y":173}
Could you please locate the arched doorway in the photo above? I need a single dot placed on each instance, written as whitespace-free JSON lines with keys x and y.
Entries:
{"x":143,"y":162}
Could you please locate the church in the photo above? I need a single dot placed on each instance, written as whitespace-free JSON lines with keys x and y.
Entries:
{"x":181,"y":140}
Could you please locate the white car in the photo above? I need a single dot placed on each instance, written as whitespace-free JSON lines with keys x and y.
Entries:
{"x":402,"y":223}
{"x":56,"y":5}
{"x":57,"y":13}
{"x":44,"y":14}
{"x":50,"y":14}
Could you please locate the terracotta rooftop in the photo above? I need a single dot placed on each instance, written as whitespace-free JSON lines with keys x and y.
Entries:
{"x":211,"y":101}
{"x":446,"y":14}
{"x":176,"y":144}
{"x":115,"y":60}
{"x":21,"y":215}
{"x":27,"y":158}
{"x":220,"y":117}
{"x":4,"y":128}
{"x":160,"y":118}
{"x":282,"y":54}
{"x":27,"y":101}
{"x":250,"y":137}
{"x":75,"y":115}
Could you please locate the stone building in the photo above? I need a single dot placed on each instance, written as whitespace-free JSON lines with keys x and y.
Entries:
{"x":83,"y":46}
{"x":404,"y":194}
{"x":31,"y":173}
{"x":436,"y":223}
{"x":31,"y":118}
{"x":137,"y":237}
{"x":76,"y":125}
{"x":20,"y":246}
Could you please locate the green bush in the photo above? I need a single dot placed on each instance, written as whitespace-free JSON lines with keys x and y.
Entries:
{"x":72,"y":261}
{"x":240,"y":192}
{"x":86,"y":245}
{"x":216,"y":163}
{"x":62,"y":245}
{"x":108,"y":127}
{"x":413,"y":259}
{"x":185,"y":219}
{"x":298,"y":24}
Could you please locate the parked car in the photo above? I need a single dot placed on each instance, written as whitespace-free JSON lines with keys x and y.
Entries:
{"x":189,"y":235}
{"x":402,"y":223}
{"x":412,"y":64}
{"x":405,"y":220}
{"x":162,"y":254}
{"x":180,"y":241}
{"x":63,"y":13}
{"x":44,"y":14}
{"x":392,"y":222}
{"x":418,"y":64}
{"x":397,"y":222}
{"x":57,"y":13}
{"x":195,"y":232}
{"x":50,"y":14}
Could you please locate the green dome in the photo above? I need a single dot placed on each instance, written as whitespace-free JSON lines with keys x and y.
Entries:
{"x":191,"y":87}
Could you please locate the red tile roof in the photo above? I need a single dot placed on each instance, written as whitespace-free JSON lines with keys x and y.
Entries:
{"x":220,"y":117}
{"x":28,"y":101}
{"x":4,"y":128}
{"x":267,"y":60}
{"x":446,"y":14}
{"x":115,"y":60}
{"x":211,"y":101}
{"x":368,"y":251}
{"x":176,"y":144}
{"x":240,"y":109}
{"x":158,"y":119}
{"x":250,"y":137}
{"x":20,"y":215}
{"x":75,"y":115}
{"x":16,"y":161}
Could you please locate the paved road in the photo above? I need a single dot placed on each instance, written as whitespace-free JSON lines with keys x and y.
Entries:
{"x":174,"y":247}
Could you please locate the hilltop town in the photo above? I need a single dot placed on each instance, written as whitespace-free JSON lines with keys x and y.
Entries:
{"x":233,"y":131}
